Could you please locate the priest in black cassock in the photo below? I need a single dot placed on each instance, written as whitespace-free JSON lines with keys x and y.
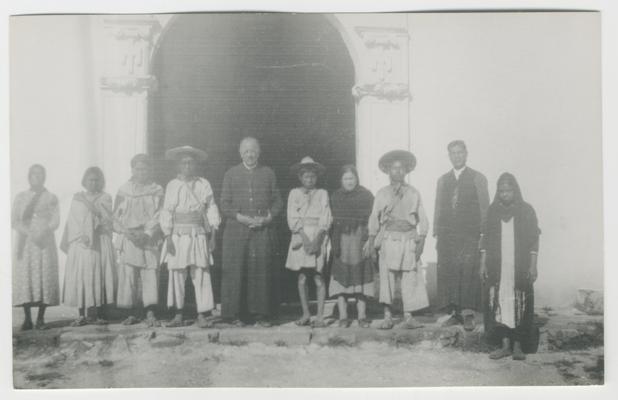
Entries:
{"x":250,"y":201}
{"x":462,"y":200}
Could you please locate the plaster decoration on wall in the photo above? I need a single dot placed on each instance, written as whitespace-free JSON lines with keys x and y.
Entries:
{"x":386,"y":73}
{"x":129,"y":84}
{"x":382,"y":90}
{"x":129,"y":42}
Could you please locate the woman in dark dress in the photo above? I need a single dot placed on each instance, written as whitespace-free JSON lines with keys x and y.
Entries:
{"x":508,"y":268}
{"x":352,"y":274}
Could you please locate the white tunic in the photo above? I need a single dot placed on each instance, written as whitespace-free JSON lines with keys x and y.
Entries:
{"x":309,"y":211}
{"x":506,"y":295}
{"x":190,"y":239}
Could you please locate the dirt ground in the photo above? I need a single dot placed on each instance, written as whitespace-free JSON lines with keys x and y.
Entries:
{"x":371,"y":364}
{"x":140,"y":361}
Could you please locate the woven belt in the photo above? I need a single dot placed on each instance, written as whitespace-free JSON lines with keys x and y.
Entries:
{"x":190,"y":218}
{"x":399,"y":226}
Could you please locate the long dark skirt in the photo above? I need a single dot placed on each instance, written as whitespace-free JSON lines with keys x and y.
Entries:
{"x":525,"y":331}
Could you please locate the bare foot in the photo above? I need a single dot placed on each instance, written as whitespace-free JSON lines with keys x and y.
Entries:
{"x":500,"y":353}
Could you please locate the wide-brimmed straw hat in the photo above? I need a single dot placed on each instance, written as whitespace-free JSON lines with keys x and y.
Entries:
{"x":177,"y":152}
{"x":307,"y":163}
{"x":407,"y":158}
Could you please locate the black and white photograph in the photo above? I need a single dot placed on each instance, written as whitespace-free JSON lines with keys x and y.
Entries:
{"x":261,"y":199}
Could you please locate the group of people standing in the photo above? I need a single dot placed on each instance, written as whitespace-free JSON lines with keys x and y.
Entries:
{"x":486,"y":252}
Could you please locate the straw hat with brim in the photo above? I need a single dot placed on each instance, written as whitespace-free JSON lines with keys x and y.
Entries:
{"x":178,"y":152}
{"x":407,"y":158}
{"x":307,"y":163}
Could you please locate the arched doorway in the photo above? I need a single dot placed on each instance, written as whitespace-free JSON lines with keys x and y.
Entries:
{"x":285,"y":79}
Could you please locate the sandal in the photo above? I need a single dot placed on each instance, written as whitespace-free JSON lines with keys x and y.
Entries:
{"x":500,"y":353}
{"x":237,"y":323}
{"x":81,"y":321}
{"x":345,"y":323}
{"x":387,"y":324}
{"x":318,"y":323}
{"x":151,"y":320}
{"x":130,"y":320}
{"x":304,"y":321}
{"x":175,"y":323}
{"x":203,"y":323}
{"x":364,"y":323}
{"x":410,"y":323}
{"x":263,"y":323}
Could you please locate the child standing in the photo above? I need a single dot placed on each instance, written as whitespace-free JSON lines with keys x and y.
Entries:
{"x":309,"y":219}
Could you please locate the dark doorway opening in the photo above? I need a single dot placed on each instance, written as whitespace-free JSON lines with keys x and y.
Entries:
{"x":284,"y":79}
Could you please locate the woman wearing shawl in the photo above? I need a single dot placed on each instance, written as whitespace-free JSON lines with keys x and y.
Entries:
{"x":352,"y":274}
{"x":90,"y":272}
{"x":35,"y":217}
{"x":508,"y":267}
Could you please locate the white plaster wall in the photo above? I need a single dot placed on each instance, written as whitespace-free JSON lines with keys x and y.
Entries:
{"x":523,"y":91}
{"x":52,"y":116}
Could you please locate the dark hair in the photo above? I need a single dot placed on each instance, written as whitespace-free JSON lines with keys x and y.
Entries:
{"x":302,"y":170}
{"x":455,"y":143}
{"x":509,"y":179}
{"x":35,"y":166}
{"x":144,"y":158}
{"x":349,"y":168}
{"x":94,"y":171}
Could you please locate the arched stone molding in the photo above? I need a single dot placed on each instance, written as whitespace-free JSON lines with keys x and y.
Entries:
{"x":378,"y":46}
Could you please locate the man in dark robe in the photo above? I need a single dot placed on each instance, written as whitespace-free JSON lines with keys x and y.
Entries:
{"x":250,"y":200}
{"x":462,"y":200}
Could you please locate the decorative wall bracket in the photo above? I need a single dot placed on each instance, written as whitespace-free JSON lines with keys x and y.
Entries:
{"x":132,"y":28}
{"x":382,"y":90}
{"x":385,"y":38}
{"x":129,"y":84}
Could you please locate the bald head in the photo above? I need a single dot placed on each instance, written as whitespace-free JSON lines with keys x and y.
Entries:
{"x":249,"y":151}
